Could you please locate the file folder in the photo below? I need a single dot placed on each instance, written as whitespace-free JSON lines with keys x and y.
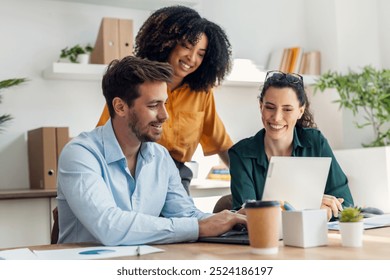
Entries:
{"x":114,"y":40}
{"x":44,"y":146}
{"x":125,"y":37}
{"x":62,"y":137}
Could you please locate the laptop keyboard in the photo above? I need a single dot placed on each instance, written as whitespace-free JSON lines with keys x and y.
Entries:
{"x":233,"y":233}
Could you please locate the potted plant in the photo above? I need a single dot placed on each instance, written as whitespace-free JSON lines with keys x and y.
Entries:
{"x":76,"y":54}
{"x":367,"y":92}
{"x":6,"y":84}
{"x":351,"y":227}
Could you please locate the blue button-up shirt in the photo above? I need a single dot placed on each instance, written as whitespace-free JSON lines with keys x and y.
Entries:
{"x":100,"y":201}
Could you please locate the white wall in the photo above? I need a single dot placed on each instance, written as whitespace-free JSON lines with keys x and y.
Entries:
{"x":384,"y":34}
{"x":34,"y":32}
{"x":349,"y":33}
{"x":357,"y":34}
{"x":256,"y":27}
{"x":321,"y":27}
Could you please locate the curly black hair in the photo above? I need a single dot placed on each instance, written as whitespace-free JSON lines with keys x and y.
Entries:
{"x":168,"y":26}
{"x":307,"y":119}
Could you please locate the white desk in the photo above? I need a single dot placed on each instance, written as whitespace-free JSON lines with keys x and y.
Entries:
{"x":206,"y":187}
{"x":26,"y":217}
{"x":207,"y":192}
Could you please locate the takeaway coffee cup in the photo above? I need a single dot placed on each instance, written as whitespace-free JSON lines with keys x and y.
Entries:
{"x":263,"y":225}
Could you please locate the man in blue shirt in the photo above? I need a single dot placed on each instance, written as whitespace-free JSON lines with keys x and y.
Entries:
{"x":115,"y":185}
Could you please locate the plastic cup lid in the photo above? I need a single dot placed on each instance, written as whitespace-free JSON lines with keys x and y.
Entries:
{"x":261,"y":203}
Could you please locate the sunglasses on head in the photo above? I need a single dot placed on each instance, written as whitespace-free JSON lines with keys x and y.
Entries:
{"x":275,"y":75}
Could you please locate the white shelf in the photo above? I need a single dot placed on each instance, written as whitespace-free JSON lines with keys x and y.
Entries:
{"x":94,"y":72}
{"x":246,"y":74}
{"x":197,"y":183}
{"x":74,"y":71}
{"x":252,"y":84}
{"x":308,"y":80}
{"x":209,"y":188}
{"x":137,"y":4}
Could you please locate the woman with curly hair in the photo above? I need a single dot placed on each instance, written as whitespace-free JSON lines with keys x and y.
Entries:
{"x":289,"y":130}
{"x":200,"y":53}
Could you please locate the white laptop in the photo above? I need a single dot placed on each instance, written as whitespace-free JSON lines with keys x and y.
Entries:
{"x":368,"y":172}
{"x":299,"y":180}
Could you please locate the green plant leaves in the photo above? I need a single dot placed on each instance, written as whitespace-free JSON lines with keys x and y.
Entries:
{"x":11,"y":82}
{"x":74,"y":51}
{"x":350,"y":215}
{"x":367,"y":92}
{"x":6,"y":84}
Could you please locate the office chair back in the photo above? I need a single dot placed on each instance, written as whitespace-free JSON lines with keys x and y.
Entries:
{"x":225,"y":202}
{"x":55,"y":230}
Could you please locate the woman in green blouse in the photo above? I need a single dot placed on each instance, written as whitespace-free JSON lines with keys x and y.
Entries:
{"x":289,"y":130}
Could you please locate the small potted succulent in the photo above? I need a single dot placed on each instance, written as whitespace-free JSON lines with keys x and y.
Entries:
{"x":76,"y":54}
{"x":351,"y":227}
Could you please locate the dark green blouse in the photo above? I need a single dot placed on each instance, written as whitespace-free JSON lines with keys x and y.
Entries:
{"x":249,"y":165}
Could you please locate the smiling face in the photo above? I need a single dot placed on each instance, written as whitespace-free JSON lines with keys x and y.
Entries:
{"x":148,"y":113}
{"x":186,"y":58}
{"x":280,"y":111}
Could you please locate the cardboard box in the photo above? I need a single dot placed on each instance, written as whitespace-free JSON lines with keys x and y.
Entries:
{"x":44,"y":146}
{"x":306,"y":228}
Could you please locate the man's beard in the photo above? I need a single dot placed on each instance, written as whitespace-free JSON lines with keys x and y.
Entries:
{"x":142,"y":137}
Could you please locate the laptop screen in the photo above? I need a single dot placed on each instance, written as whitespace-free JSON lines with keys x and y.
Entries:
{"x":299,"y":180}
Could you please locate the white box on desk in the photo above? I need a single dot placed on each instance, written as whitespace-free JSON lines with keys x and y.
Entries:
{"x":306,"y":228}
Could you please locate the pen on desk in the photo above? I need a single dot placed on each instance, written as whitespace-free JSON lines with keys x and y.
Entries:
{"x":286,"y":206}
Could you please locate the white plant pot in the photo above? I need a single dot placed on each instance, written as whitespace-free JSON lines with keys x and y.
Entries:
{"x":83,"y":58}
{"x":351,"y":234}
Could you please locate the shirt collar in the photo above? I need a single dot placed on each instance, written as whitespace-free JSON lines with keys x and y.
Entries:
{"x":180,"y":88}
{"x":113,"y":151}
{"x":255,"y":148}
{"x":299,"y":141}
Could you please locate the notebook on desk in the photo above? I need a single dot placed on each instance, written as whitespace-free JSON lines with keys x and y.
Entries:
{"x":299,"y":180}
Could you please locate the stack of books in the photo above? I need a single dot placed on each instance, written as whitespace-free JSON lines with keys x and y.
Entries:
{"x":219,"y":173}
{"x":295,"y":60}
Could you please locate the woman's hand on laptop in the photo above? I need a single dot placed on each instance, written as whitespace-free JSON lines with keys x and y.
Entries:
{"x":220,"y":223}
{"x":332,"y":204}
{"x":241,"y":211}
